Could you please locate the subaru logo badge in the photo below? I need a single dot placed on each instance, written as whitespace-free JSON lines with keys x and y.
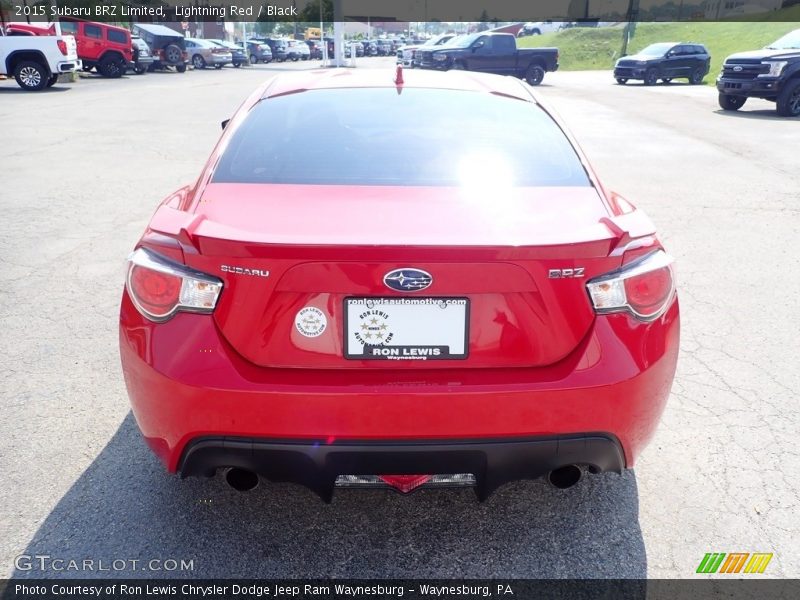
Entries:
{"x":737,"y":69}
{"x":407,"y":280}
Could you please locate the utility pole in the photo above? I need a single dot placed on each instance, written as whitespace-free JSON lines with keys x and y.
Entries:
{"x":630,"y":27}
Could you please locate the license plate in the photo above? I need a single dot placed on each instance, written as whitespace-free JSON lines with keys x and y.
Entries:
{"x":406,"y":328}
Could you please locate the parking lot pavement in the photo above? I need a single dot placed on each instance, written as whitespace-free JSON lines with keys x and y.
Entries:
{"x":83,"y":167}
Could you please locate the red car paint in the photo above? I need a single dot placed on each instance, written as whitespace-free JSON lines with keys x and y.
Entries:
{"x":542,"y":361}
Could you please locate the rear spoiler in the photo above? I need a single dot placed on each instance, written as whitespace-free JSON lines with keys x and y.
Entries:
{"x":628,"y":227}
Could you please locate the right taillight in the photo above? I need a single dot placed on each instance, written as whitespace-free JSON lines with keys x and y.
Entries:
{"x":62,"y":46}
{"x":159,"y":287}
{"x":643,"y":287}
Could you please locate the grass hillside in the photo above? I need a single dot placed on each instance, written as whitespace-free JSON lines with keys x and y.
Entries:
{"x":583,"y":48}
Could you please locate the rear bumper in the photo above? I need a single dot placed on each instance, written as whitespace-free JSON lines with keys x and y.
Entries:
{"x":69,"y":66}
{"x":186,"y":383}
{"x":316,"y":463}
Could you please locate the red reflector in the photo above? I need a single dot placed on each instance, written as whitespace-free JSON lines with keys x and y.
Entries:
{"x":405,"y":483}
{"x":156,"y":292}
{"x":62,"y":45}
{"x":647,"y":292}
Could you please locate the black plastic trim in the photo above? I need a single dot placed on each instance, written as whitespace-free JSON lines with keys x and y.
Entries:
{"x":316,"y":463}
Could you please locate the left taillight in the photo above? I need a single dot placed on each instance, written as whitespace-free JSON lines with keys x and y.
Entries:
{"x":643,"y":288}
{"x":62,"y":45}
{"x":159,"y":287}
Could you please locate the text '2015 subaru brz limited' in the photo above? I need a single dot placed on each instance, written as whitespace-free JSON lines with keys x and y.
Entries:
{"x":467,"y":307}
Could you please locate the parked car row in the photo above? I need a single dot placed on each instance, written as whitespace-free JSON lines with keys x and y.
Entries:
{"x":483,"y":52}
{"x":147,"y":47}
{"x":772,"y":73}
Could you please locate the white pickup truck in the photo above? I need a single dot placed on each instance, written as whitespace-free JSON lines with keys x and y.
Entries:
{"x":37,"y":61}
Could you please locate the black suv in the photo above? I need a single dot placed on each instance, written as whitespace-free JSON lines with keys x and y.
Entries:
{"x":167,"y":46}
{"x":665,"y":61}
{"x":772,"y":73}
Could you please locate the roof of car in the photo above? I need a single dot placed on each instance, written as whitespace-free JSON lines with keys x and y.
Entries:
{"x":319,"y":79}
{"x":156,"y":29}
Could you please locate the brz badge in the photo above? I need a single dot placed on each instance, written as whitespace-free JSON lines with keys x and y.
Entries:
{"x":565,"y":273}
{"x":243,"y":271}
{"x":407,"y":280}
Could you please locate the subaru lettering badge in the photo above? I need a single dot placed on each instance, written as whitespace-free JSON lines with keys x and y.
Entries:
{"x":407,"y":280}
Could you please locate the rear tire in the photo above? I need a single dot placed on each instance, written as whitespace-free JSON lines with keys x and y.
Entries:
{"x":140,"y":70}
{"x":730,"y":102}
{"x":534,"y":75}
{"x":788,"y":103}
{"x":198,"y":62}
{"x":173,"y":54}
{"x":111,"y":67}
{"x":237,"y":65}
{"x":180,"y":68}
{"x":651,"y":77}
{"x":667,"y":80}
{"x":253,"y":59}
{"x":622,"y":80}
{"x":52,"y":81}
{"x":218,"y":66}
{"x":697,"y":77}
{"x":31,"y":76}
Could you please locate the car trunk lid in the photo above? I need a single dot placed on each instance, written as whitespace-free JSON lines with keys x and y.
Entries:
{"x":304,"y":271}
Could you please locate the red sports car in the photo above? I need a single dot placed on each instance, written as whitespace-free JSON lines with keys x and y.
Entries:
{"x":437,"y":290}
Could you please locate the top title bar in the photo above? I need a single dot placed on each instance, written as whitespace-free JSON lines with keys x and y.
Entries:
{"x":400,"y":10}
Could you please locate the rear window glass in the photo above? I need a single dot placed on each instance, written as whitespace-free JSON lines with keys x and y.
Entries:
{"x":420,"y":137}
{"x":117,"y":36}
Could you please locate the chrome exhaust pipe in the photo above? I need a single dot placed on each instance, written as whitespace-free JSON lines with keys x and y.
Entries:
{"x":565,"y":477}
{"x":241,"y":480}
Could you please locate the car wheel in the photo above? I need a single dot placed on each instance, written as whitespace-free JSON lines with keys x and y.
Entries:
{"x":87,"y":68}
{"x":173,"y":54}
{"x":697,"y":77}
{"x":198,"y":62}
{"x":111,"y":67}
{"x":788,"y":103}
{"x":666,"y":79}
{"x":622,"y":80}
{"x":31,"y":76}
{"x":180,"y":68}
{"x":295,"y":58}
{"x":534,"y":75}
{"x":651,"y":77}
{"x":140,"y":70}
{"x":236,"y":65}
{"x":52,"y":81}
{"x":729,"y":102}
{"x":218,"y":66}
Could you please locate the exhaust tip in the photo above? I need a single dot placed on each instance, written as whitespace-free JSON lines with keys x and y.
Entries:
{"x":565,"y":477}
{"x":241,"y":480}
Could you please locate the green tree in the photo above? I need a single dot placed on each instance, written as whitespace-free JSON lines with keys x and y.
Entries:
{"x":310,"y":12}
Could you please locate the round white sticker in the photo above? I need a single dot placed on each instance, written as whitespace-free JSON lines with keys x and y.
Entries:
{"x":310,"y":321}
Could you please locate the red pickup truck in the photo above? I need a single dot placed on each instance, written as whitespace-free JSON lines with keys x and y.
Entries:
{"x":105,"y":47}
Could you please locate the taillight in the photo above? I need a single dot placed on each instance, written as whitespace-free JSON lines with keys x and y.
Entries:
{"x":159,"y":287}
{"x":643,"y":287}
{"x":62,"y":45}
